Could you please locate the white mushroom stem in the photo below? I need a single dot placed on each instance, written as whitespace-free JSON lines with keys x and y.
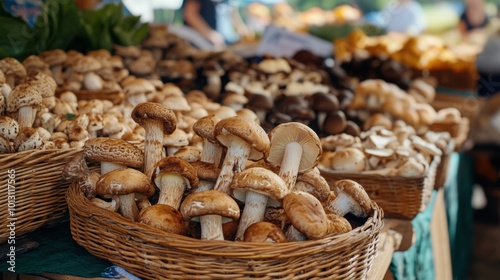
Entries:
{"x":171,"y":150}
{"x":92,"y":81}
{"x":213,"y":85}
{"x":5,"y":90}
{"x":26,"y":116}
{"x":205,"y":185}
{"x":234,"y":162}
{"x":128,"y":207}
{"x":292,"y":234}
{"x":136,"y":99}
{"x":153,"y":146}
{"x":172,"y":188}
{"x":341,"y":205}
{"x":111,"y":206}
{"x":211,"y":153}
{"x":211,"y":227}
{"x":290,"y":164}
{"x":110,"y":166}
{"x":255,"y":208}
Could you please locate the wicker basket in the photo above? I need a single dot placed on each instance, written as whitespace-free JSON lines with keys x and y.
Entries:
{"x":39,"y":190}
{"x":399,"y":197}
{"x":153,"y":254}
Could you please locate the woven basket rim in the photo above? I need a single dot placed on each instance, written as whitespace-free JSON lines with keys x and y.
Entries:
{"x":77,"y":202}
{"x":40,"y":152}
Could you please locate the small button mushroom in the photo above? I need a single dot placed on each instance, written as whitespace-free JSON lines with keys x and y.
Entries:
{"x":312,"y":182}
{"x":112,"y":154}
{"x":295,"y":148}
{"x":164,"y":217}
{"x":28,"y":139}
{"x":25,"y":100}
{"x":136,"y":91}
{"x":14,"y":71}
{"x":261,"y":104}
{"x":351,"y":198}
{"x":212,"y":209}
{"x":125,"y":183}
{"x":352,"y":128}
{"x":322,"y":104}
{"x":34,"y":64}
{"x":234,"y":100}
{"x":348,"y":160}
{"x":306,"y":215}
{"x":213,"y":71}
{"x":207,"y":174}
{"x":157,"y":120}
{"x":256,"y":187}
{"x":87,"y":66}
{"x":55,"y":59}
{"x":335,"y":123}
{"x":174,"y":141}
{"x":173,"y":176}
{"x":9,"y":128}
{"x":244,"y":140}
{"x":264,"y":232}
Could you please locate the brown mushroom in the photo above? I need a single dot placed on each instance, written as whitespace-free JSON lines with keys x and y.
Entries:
{"x":264,"y":232}
{"x":164,"y":217}
{"x":112,"y":154}
{"x":351,"y":198}
{"x":25,"y":100}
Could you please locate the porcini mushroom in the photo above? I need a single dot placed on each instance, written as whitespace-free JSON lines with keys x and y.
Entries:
{"x":164,"y":217}
{"x":25,"y":100}
{"x":348,"y":160}
{"x":254,"y":186}
{"x":212,"y":209}
{"x":173,"y":176}
{"x":351,"y":198}
{"x":244,"y":140}
{"x":157,"y":120}
{"x":207,"y":174}
{"x":212,"y":151}
{"x":265,"y":232}
{"x":295,"y":148}
{"x":125,"y":183}
{"x":112,"y":154}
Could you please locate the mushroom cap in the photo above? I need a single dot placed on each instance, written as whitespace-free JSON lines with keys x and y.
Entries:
{"x":320,"y":187}
{"x":205,"y":127}
{"x":157,"y":41}
{"x":264,"y":232}
{"x":306,"y":214}
{"x":100,"y":54}
{"x":86,"y":64}
{"x":164,"y":217}
{"x":23,"y":95}
{"x":210,"y":203}
{"x":128,"y":51}
{"x":335,"y":123}
{"x":377,"y":119}
{"x":113,"y":150}
{"x":34,"y":62}
{"x":338,"y":224}
{"x":9,"y":128}
{"x":259,"y":180}
{"x":286,"y":133}
{"x":426,"y":113}
{"x":324,"y":102}
{"x":125,"y":181}
{"x":54,"y":57}
{"x":148,"y":110}
{"x":44,"y":83}
{"x":206,"y":171}
{"x":27,"y":139}
{"x":249,"y":131}
{"x":260,"y":102}
{"x":354,"y":190}
{"x":174,"y":165}
{"x":352,"y":128}
{"x":212,"y":67}
{"x":189,"y":153}
{"x":138,"y":86}
{"x":178,"y":138}
{"x":12,"y":66}
{"x":348,"y":159}
{"x":449,"y":115}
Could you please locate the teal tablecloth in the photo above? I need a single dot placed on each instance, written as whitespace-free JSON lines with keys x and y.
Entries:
{"x":417,"y":263}
{"x":59,"y":253}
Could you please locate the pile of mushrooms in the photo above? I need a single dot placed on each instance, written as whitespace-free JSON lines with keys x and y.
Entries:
{"x":397,"y":151}
{"x":243,"y":185}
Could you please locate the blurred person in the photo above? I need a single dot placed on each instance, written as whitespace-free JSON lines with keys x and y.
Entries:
{"x":474,"y":17}
{"x":218,"y":21}
{"x":405,"y":16}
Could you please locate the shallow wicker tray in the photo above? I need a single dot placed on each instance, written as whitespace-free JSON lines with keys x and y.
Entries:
{"x":39,"y":190}
{"x":153,"y":254}
{"x":399,"y":197}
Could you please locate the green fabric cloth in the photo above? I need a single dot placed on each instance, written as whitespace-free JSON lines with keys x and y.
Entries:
{"x":57,"y":253}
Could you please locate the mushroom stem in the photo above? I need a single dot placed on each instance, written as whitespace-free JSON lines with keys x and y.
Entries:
{"x":205,"y":185}
{"x":26,"y":116}
{"x":5,"y":90}
{"x":153,"y":146}
{"x":292,"y":234}
{"x":211,"y":153}
{"x":340,"y":206}
{"x":111,"y":206}
{"x":213,"y":86}
{"x":56,"y":73}
{"x":128,"y":207}
{"x":171,"y":190}
{"x":234,"y":162}
{"x":290,"y":164}
{"x":110,"y":166}
{"x":255,"y":208}
{"x":171,"y":150}
{"x":211,"y":227}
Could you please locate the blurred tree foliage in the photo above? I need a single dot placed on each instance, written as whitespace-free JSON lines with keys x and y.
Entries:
{"x":364,"y":5}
